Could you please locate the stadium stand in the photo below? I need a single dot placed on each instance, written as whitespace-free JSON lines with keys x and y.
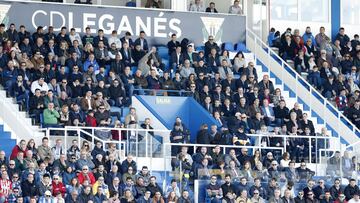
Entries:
{"x":66,"y":81}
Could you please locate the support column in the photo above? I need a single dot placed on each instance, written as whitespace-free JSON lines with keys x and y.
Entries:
{"x":335,"y":17}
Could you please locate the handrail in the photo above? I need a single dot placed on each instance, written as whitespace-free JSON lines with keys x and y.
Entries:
{"x":149,"y":142}
{"x":118,"y":129}
{"x":222,"y":146}
{"x":93,"y":138}
{"x":155,"y":130}
{"x":352,"y":145}
{"x":292,"y":136}
{"x":163,"y":90}
{"x":312,"y":89}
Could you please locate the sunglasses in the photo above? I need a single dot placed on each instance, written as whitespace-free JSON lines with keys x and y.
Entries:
{"x":85,"y":169}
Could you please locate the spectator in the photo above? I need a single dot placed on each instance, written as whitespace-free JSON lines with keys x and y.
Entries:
{"x":336,"y":191}
{"x":198,"y":6}
{"x":351,"y":189}
{"x":341,"y":199}
{"x":86,"y":175}
{"x":236,"y":8}
{"x":320,"y":190}
{"x":211,"y":8}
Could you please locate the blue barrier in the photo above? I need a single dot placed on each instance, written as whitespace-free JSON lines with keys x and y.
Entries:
{"x":166,"y":109}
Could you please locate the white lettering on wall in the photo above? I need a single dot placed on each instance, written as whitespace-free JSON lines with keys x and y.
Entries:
{"x":87,"y":22}
{"x":125,"y":26}
{"x":159,"y":27}
{"x":174,"y":25}
{"x":34,"y":15}
{"x":63,"y":20}
{"x":141,"y":26}
{"x":110,"y":26}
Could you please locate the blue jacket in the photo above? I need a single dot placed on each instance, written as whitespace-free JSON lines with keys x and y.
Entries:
{"x":87,"y":63}
{"x":307,"y":36}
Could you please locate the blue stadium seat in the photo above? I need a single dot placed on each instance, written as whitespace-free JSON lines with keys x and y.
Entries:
{"x":200,"y":48}
{"x":166,"y":62}
{"x":131,"y":4}
{"x":124,"y":112}
{"x":240,"y":47}
{"x":228,"y":46}
{"x":163,"y":52}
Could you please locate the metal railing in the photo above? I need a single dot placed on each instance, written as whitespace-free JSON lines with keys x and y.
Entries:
{"x":286,"y":138}
{"x":127,"y":142}
{"x":163,"y":162}
{"x":311,"y":95}
{"x":124,"y":139}
{"x":163,"y":92}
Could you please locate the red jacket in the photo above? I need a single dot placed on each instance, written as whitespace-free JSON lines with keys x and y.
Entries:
{"x":82,"y":178}
{"x":90,"y":121}
{"x":15,"y":151}
{"x":56,"y":188}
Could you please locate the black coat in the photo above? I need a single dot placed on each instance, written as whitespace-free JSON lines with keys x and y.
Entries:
{"x":350,"y":191}
{"x":203,"y":137}
{"x":29,"y":189}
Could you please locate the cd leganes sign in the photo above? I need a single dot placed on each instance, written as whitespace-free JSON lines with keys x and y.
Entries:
{"x":157,"y":24}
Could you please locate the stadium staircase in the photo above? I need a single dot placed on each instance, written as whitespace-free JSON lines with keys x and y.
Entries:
{"x":15,"y":124}
{"x":296,"y":89}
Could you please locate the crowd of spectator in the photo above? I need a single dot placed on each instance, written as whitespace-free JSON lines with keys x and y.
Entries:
{"x":70,"y":79}
{"x":97,"y":174}
{"x":331,"y":66}
{"x":85,"y":174}
{"x":198,"y":6}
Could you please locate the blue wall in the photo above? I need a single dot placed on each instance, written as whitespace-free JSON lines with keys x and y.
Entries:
{"x":166,"y":109}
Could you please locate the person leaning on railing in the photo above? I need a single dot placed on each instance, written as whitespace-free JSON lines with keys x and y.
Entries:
{"x":177,"y":135}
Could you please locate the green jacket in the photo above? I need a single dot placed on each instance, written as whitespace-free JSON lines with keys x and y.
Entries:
{"x":51,"y":117}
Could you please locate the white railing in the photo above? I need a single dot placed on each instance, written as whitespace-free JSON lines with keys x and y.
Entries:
{"x":303,"y":90}
{"x":326,"y":140}
{"x":70,"y":132}
{"x":89,"y":134}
